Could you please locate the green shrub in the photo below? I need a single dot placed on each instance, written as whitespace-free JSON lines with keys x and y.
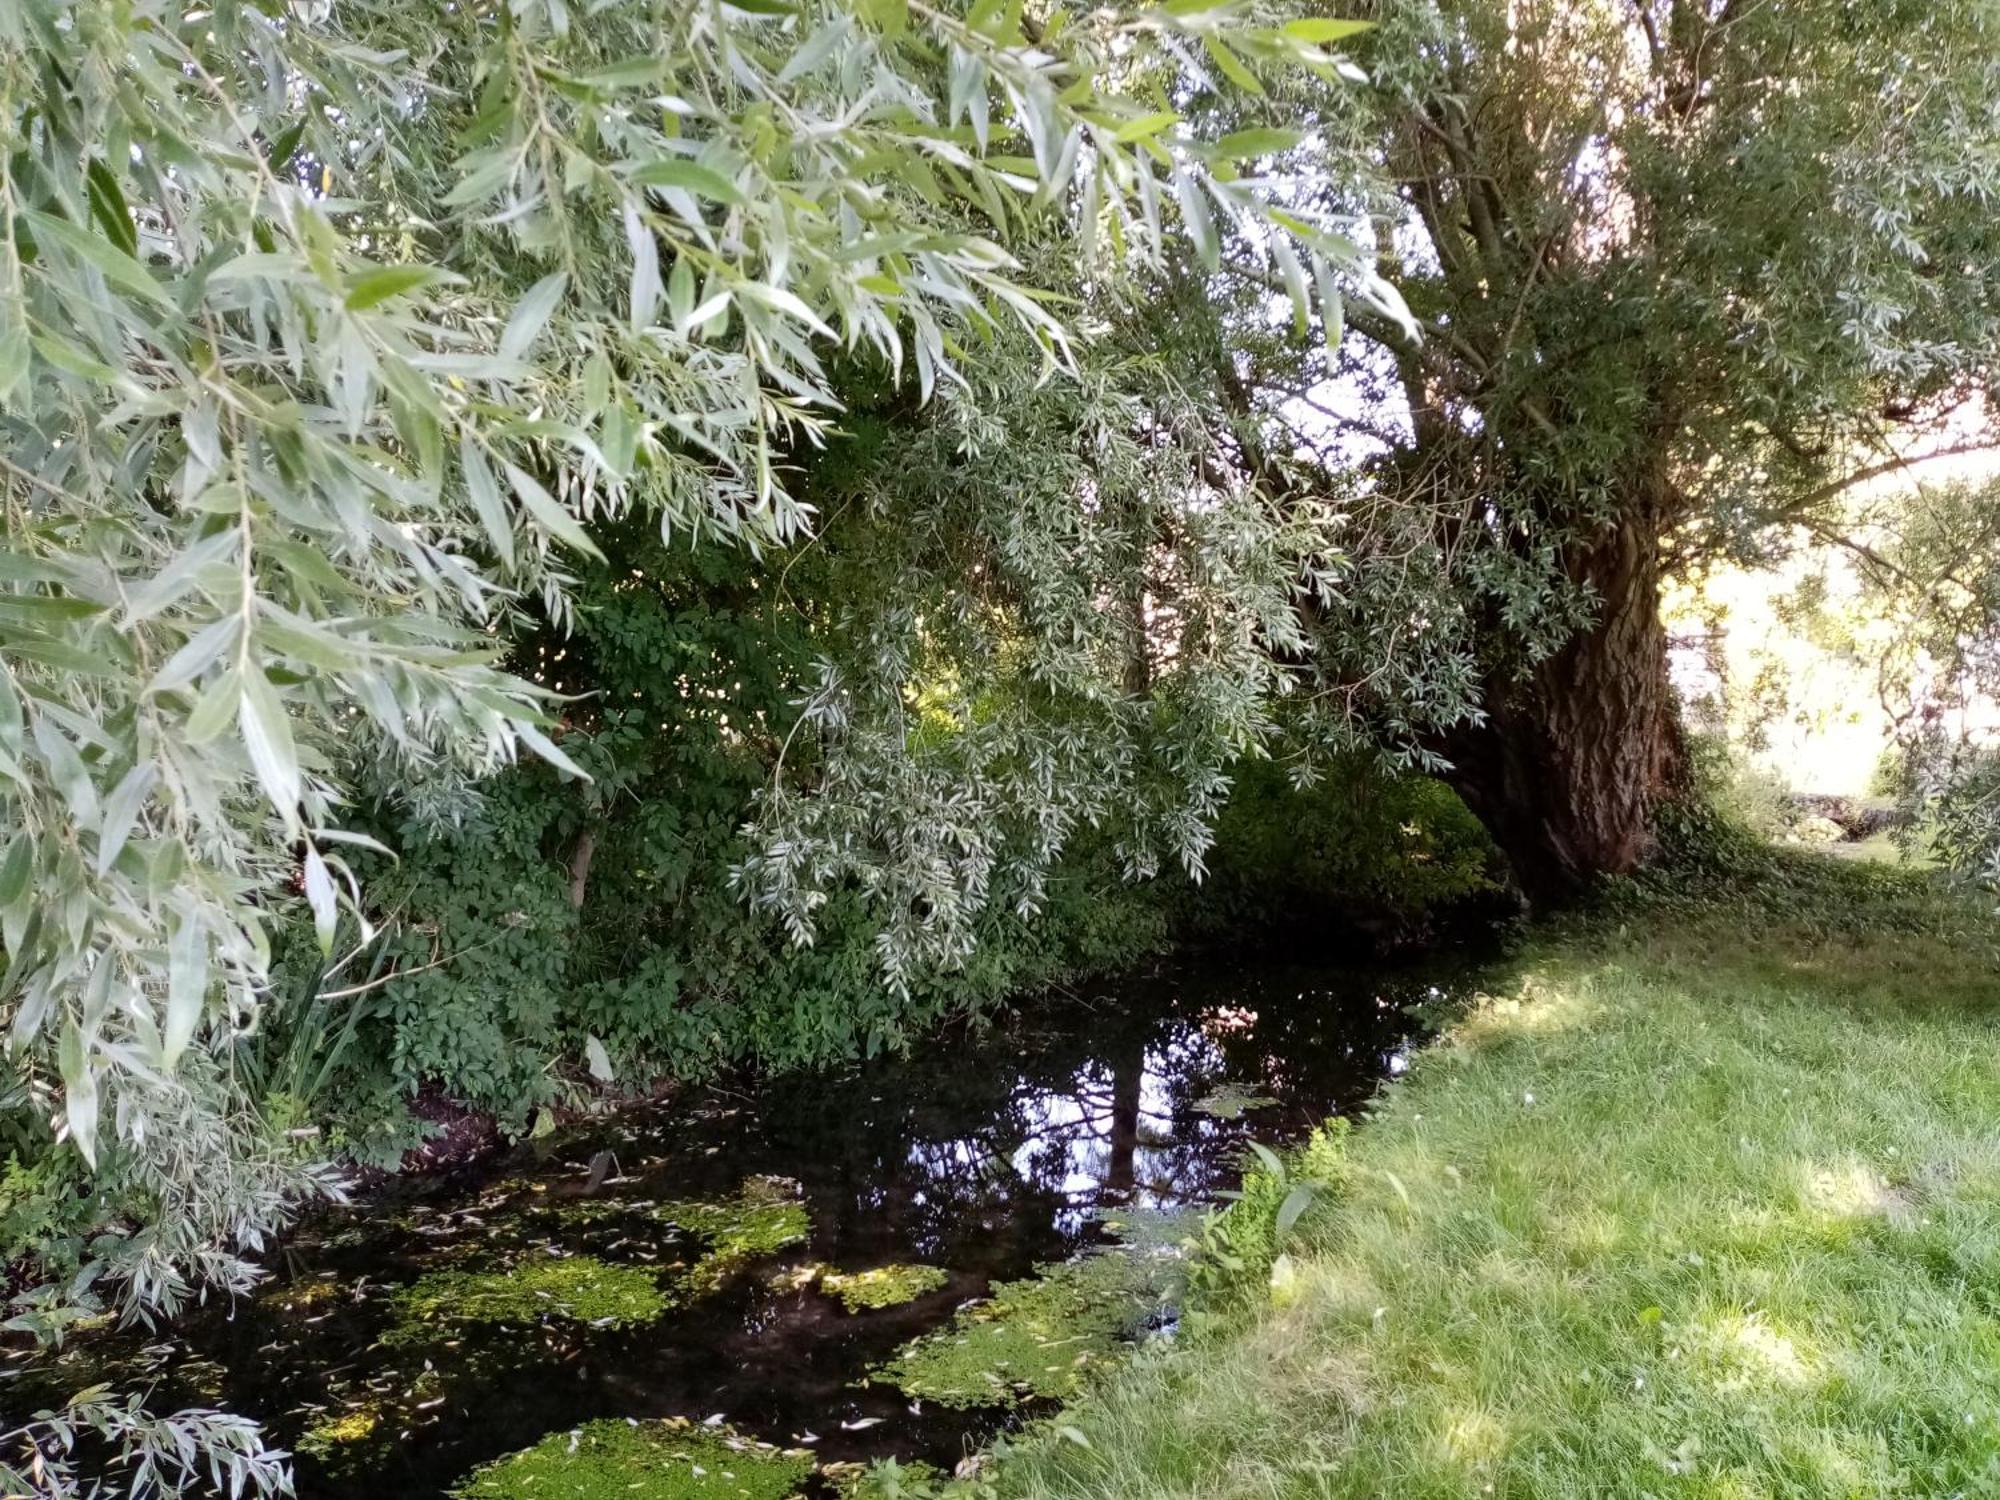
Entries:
{"x":1239,"y":1244}
{"x":504,"y":980}
{"x":1363,"y":844}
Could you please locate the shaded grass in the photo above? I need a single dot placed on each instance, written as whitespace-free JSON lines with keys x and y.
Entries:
{"x":1703,"y":1199}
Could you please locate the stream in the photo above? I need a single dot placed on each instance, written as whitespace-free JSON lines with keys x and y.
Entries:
{"x":683,"y":1259}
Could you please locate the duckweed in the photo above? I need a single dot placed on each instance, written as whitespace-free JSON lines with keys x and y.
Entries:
{"x":1034,"y":1339}
{"x":328,"y":1435}
{"x":883,"y":1286}
{"x":614,"y":1460}
{"x":579,"y":1288}
{"x":764,"y":1217}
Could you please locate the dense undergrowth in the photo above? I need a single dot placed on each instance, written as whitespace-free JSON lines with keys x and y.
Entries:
{"x":1698,"y":1199}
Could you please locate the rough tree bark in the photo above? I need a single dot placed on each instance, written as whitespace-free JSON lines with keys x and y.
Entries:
{"x":1574,"y":758}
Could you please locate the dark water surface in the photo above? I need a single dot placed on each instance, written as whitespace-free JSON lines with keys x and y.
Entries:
{"x":987,"y":1151}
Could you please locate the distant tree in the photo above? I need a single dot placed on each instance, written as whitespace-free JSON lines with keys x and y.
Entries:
{"x":1683,"y":272}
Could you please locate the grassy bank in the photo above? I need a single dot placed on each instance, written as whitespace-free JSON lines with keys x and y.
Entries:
{"x":1702,"y":1199}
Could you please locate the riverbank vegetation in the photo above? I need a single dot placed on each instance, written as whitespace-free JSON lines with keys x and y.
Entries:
{"x":554,"y":553}
{"x":1696,"y":1200}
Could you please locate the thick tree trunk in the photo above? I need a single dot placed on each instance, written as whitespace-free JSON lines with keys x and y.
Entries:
{"x":1573,"y":759}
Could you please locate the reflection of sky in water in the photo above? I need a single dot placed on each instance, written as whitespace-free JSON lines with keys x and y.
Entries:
{"x":1075,"y":1138}
{"x":1124,"y":1124}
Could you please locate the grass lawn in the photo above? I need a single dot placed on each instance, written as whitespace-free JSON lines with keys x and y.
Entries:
{"x":1702,"y":1200}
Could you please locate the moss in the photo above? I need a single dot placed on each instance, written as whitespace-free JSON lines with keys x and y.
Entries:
{"x":883,"y":1286}
{"x":797,"y":1278}
{"x":578,"y":1288}
{"x":763,"y":1217}
{"x":612,"y":1460}
{"x":1034,"y":1339}
{"x":302,"y":1296}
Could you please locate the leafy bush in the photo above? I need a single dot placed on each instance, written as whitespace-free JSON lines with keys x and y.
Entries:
{"x":1362,"y":844}
{"x":1237,"y":1250}
{"x":547,"y":915}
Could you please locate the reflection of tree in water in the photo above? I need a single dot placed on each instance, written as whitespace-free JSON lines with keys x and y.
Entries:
{"x":1024,"y":1134}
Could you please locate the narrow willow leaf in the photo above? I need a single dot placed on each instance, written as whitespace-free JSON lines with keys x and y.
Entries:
{"x":17,"y":868}
{"x":203,"y":649}
{"x":546,"y":748}
{"x":267,"y":736}
{"x":187,"y":987}
{"x":1262,"y":141}
{"x":547,"y":510}
{"x":320,"y":896}
{"x":14,"y":348}
{"x":819,"y":47}
{"x":373,"y":288}
{"x":646,"y":287}
{"x":1325,"y":29}
{"x":107,"y":207}
{"x":215,"y":708}
{"x":1295,"y":281}
{"x":167,"y":587}
{"x":486,"y":499}
{"x":1231,"y":66}
{"x":531,"y":315}
{"x":1199,"y":221}
{"x":79,"y":1089}
{"x":1145,"y":127}
{"x":674,"y":172}
{"x":121,"y":811}
{"x":118,"y":268}
{"x":1332,"y":318}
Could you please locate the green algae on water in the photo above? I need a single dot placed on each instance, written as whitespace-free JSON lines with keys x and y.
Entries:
{"x":338,"y":1438}
{"x":763,"y":1217}
{"x":883,"y":1286}
{"x":1035,"y":1339}
{"x":614,"y":1460}
{"x":578,"y":1288}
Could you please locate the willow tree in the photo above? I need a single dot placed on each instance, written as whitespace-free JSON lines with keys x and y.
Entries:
{"x":328,"y":330}
{"x":1684,"y":271}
